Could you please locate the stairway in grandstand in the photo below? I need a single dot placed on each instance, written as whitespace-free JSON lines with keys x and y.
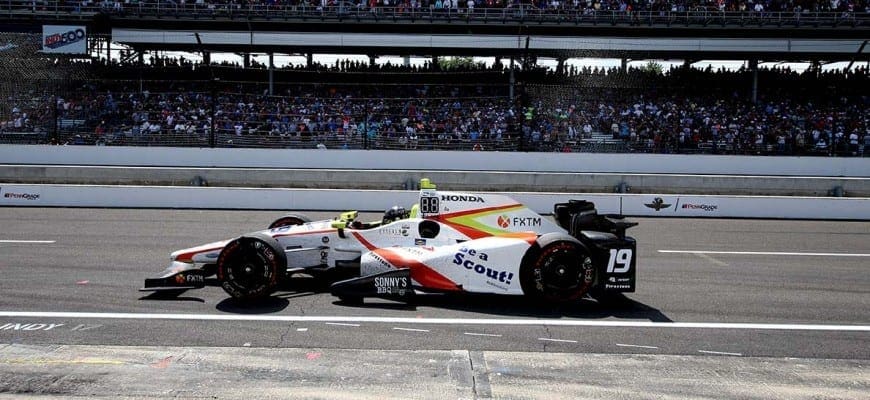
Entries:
{"x":600,"y":142}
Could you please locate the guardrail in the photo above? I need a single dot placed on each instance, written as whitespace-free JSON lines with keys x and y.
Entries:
{"x":520,"y":13}
{"x":510,"y":142}
{"x":692,"y":206}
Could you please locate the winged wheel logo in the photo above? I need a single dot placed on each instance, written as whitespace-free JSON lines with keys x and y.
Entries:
{"x":657,"y":204}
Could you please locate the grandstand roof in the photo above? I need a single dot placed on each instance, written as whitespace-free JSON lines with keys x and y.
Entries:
{"x":494,"y":31}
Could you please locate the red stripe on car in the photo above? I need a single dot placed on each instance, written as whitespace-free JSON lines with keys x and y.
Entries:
{"x":363,"y":241}
{"x":304,"y":233}
{"x":188,"y":257}
{"x":420,"y":272}
{"x":478,"y":211}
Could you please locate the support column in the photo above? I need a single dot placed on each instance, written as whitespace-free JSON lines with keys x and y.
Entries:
{"x":816,"y":67}
{"x":206,"y":57}
{"x":246,"y":60}
{"x":271,"y":73}
{"x":560,"y":65}
{"x":309,"y":60}
{"x":513,"y":80}
{"x":406,"y":60}
{"x":623,"y":64}
{"x":372,"y":59}
{"x":753,"y":66}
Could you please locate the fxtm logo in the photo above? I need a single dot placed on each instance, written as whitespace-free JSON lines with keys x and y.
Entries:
{"x":504,"y":221}
{"x":657,"y":204}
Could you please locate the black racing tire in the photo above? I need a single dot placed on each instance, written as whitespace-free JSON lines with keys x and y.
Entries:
{"x":289,"y":219}
{"x":249,"y":267}
{"x":557,"y":269}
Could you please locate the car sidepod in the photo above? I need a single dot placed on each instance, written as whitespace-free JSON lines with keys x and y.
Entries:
{"x":486,"y":265}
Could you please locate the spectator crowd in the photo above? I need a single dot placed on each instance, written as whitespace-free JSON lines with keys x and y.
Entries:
{"x":845,"y":8}
{"x":589,"y":109}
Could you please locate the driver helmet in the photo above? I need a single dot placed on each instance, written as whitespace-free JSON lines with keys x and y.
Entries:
{"x":395,"y":213}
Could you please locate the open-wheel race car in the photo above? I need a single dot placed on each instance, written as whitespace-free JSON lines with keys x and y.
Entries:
{"x":447,"y":242}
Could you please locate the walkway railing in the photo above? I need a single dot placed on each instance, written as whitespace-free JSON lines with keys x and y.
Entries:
{"x":510,"y":14}
{"x":419,"y":142}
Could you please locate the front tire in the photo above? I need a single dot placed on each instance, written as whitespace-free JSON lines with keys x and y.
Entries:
{"x":249,"y":267}
{"x":559,"y":269}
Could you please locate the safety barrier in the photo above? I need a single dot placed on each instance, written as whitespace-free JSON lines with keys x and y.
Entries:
{"x":377,"y":200}
{"x":437,"y":161}
{"x":456,"y":180}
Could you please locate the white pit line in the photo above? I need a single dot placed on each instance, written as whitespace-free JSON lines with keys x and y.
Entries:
{"x":556,"y":340}
{"x":721,"y":353}
{"x":766,"y":253}
{"x":481,"y":334}
{"x":637,"y":346}
{"x":410,"y":329}
{"x":439,"y":321}
{"x":341,"y":324}
{"x":27,"y":241}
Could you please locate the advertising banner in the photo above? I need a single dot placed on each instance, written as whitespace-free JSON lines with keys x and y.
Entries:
{"x":633,"y":205}
{"x":676,"y":206}
{"x":64,"y":39}
{"x":23,"y":195}
{"x":785,"y":207}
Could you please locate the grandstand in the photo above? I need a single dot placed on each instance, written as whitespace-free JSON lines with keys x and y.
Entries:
{"x":124,"y":91}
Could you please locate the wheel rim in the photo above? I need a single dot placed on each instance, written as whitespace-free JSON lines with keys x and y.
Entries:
{"x":563,"y":272}
{"x":248,"y":267}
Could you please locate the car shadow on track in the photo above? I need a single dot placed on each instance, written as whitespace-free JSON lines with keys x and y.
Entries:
{"x":299,"y":286}
{"x":619,"y":306}
{"x":171,"y":295}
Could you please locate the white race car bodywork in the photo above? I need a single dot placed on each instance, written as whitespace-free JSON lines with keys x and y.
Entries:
{"x":452,"y":242}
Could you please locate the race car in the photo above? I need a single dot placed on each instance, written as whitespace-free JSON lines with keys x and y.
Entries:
{"x":449,"y":242}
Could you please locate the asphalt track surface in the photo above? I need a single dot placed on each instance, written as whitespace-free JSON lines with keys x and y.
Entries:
{"x":724,"y":308}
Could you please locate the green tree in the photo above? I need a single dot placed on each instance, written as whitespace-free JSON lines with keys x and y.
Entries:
{"x":448,"y":63}
{"x":652,"y":67}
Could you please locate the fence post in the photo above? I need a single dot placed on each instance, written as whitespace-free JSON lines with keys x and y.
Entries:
{"x":55,"y":135}
{"x":211,"y":137}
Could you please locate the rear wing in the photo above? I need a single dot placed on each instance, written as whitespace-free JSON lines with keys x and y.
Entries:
{"x":581,"y":215}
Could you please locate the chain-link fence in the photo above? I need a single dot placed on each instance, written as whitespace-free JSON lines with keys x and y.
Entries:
{"x":30,"y":83}
{"x":61,"y":100}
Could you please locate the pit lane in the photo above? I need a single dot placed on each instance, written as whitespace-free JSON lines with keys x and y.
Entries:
{"x":735,"y":294}
{"x":99,"y":258}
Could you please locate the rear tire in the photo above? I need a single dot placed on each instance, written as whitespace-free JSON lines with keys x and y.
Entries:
{"x":559,"y":269}
{"x":249,"y":267}
{"x":289,"y":219}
